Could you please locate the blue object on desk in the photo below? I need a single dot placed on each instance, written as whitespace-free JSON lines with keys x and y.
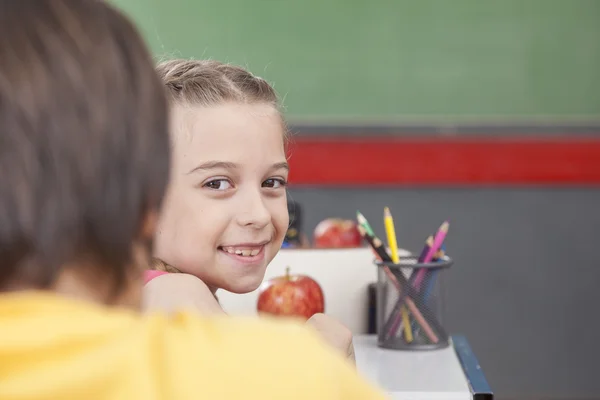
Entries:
{"x":480,"y":389}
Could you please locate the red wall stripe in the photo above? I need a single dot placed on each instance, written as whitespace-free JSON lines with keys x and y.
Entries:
{"x":444,"y":161}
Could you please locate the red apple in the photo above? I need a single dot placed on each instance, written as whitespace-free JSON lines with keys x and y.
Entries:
{"x":336,"y":233}
{"x":291,"y":295}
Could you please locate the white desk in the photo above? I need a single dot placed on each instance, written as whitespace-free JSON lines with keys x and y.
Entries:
{"x":447,"y":374}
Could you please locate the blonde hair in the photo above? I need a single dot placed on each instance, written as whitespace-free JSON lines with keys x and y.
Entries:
{"x":209,"y":82}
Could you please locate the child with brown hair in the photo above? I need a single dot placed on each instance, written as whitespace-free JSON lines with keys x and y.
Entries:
{"x":84,"y":163}
{"x":225,"y":214}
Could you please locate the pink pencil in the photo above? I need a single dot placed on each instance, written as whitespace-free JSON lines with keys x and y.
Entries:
{"x":437,"y":243}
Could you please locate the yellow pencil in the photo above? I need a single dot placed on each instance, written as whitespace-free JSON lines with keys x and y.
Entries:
{"x":393,"y":245}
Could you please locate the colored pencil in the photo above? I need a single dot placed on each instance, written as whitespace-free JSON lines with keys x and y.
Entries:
{"x":363,"y":222}
{"x":403,"y":287}
{"x":437,"y":242}
{"x":391,"y":234}
{"x":391,"y":326}
{"x":431,"y":247}
{"x":377,"y":246}
{"x":393,"y":246}
{"x":431,"y":277}
{"x":428,"y":244}
{"x":380,"y":253}
{"x":430,"y":283}
{"x":418,"y":273}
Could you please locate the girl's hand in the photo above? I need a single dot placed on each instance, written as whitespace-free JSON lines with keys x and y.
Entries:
{"x":334,"y":333}
{"x":174,"y":292}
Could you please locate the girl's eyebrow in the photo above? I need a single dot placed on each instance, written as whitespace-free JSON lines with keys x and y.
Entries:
{"x":208,"y":165}
{"x":213,"y":165}
{"x":281,"y":165}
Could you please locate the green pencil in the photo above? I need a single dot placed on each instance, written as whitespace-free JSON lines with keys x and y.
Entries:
{"x":364,"y":223}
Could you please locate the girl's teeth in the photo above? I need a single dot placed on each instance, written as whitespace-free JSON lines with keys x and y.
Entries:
{"x":244,"y":253}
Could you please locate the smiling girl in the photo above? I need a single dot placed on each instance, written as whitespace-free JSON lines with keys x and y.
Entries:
{"x":225,"y":214}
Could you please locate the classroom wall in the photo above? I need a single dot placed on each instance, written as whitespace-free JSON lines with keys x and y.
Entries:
{"x":524,"y":287}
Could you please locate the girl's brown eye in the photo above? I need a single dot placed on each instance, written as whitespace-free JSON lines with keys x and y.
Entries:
{"x":218,"y":184}
{"x":274,"y":183}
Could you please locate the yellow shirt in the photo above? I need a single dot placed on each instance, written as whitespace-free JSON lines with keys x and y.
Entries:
{"x":57,"y":348}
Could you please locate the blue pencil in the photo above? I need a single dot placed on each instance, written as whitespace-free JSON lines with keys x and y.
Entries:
{"x":431,"y":280}
{"x":429,"y":284}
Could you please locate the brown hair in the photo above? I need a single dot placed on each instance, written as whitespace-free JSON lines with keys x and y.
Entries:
{"x":84,"y":147}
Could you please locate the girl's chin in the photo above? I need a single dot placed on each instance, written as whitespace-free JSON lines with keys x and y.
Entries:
{"x":246,"y":285}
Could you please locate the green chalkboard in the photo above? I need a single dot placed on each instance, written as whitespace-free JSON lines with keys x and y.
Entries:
{"x":397,"y":60}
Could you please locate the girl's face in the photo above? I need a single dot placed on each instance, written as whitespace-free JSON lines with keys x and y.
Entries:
{"x":225,"y":213}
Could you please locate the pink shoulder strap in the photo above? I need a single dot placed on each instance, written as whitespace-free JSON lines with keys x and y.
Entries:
{"x":151,"y":274}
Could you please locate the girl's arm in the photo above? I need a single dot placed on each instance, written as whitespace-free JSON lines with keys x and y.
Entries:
{"x":174,"y":292}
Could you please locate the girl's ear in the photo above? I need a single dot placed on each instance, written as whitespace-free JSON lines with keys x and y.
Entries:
{"x":147,"y":231}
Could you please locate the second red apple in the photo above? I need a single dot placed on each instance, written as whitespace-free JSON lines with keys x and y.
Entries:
{"x":337,"y":233}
